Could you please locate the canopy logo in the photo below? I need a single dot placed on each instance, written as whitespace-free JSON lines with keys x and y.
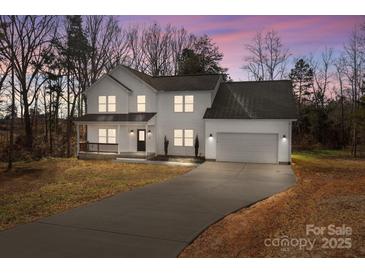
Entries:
{"x":285,"y":243}
{"x":327,"y":237}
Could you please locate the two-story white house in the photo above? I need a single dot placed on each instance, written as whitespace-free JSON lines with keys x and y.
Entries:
{"x":129,"y":113}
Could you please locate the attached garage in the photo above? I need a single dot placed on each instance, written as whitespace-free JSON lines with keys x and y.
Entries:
{"x":247,"y":147}
{"x":251,"y":122}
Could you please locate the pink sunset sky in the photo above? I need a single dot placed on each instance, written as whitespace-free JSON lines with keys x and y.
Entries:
{"x":303,"y":35}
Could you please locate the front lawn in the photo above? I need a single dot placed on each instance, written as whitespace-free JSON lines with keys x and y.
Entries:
{"x":37,"y":189}
{"x":330,"y":190}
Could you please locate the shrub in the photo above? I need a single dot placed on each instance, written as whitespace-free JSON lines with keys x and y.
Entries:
{"x":166,"y":145}
{"x":196,"y":146}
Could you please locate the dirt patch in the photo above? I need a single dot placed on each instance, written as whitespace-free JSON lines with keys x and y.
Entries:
{"x":329,"y":191}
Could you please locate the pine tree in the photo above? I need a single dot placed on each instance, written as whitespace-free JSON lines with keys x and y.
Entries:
{"x":203,"y":58}
{"x":302,"y":77}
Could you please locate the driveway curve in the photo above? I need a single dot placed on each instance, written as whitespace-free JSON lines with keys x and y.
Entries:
{"x":157,"y":220}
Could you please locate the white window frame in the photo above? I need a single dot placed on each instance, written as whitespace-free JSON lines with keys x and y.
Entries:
{"x":104,"y":135}
{"x":180,"y":139}
{"x":112,"y":138}
{"x":102,"y":104}
{"x":178,"y":106}
{"x":189,"y":138}
{"x":188,"y":104}
{"x":112,"y":104}
{"x":109,"y":104}
{"x":183,"y":140}
{"x":141,"y":104}
{"x":109,"y":137}
{"x":185,"y":105}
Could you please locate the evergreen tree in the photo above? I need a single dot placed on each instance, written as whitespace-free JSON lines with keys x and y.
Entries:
{"x":302,"y":77}
{"x":203,"y":58}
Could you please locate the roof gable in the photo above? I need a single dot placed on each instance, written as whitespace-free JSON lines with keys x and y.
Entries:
{"x":106,"y":78}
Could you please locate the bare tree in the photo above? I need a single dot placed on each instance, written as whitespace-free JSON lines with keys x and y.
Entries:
{"x":134,"y":40}
{"x":5,"y":68}
{"x":27,"y":50}
{"x":108,"y":46}
{"x":181,"y":40}
{"x":267,"y":59}
{"x":340,"y":65}
{"x":354,"y":59}
{"x":321,"y":76}
{"x":156,"y":47}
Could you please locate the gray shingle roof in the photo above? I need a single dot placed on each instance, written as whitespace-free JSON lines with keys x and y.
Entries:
{"x":253,"y":100}
{"x":125,"y":117}
{"x":119,"y":82}
{"x":179,"y":82}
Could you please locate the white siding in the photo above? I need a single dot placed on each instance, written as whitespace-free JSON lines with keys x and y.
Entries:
{"x":106,"y":87}
{"x":138,"y":87}
{"x":168,"y":120}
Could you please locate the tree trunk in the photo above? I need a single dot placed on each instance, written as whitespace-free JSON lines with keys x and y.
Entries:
{"x":11,"y":141}
{"x":68,"y":134}
{"x":342,"y":118}
{"x":28,"y":127}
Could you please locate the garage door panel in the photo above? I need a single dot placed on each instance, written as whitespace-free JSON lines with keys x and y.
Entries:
{"x":247,"y":147}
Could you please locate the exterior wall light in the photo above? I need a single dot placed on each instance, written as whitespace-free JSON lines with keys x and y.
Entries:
{"x":284,"y":138}
{"x":211,"y":136}
{"x":149,"y":132}
{"x":132,"y":131}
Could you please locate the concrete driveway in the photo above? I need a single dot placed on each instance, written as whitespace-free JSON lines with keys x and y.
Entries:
{"x":154,"y":221}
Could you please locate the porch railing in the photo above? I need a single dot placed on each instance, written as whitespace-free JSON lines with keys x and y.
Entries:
{"x":98,"y":147}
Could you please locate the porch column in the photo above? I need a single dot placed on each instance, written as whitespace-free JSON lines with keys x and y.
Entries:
{"x":118,"y":140}
{"x":77,"y":139}
{"x":146,"y":138}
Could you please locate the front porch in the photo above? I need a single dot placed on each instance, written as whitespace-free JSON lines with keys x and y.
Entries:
{"x":111,"y":137}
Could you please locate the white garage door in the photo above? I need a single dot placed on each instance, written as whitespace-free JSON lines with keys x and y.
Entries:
{"x":247,"y":147}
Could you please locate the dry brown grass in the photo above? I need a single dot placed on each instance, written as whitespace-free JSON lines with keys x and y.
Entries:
{"x":41,"y":188}
{"x":330,"y":190}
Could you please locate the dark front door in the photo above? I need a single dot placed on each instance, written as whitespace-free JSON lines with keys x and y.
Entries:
{"x":141,"y":140}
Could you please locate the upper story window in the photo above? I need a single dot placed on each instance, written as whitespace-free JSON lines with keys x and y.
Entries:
{"x":189,"y":103}
{"x":184,"y":103}
{"x":107,"y":103}
{"x":178,"y":103}
{"x":111,"y":104}
{"x":141,"y":103}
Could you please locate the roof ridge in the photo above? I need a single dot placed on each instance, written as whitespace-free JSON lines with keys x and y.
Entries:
{"x":136,"y":70}
{"x":262,"y":81}
{"x":160,"y":76}
{"x":200,"y":74}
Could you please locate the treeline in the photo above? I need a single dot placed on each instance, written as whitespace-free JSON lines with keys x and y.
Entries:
{"x":47,"y":63}
{"x":329,"y":88}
